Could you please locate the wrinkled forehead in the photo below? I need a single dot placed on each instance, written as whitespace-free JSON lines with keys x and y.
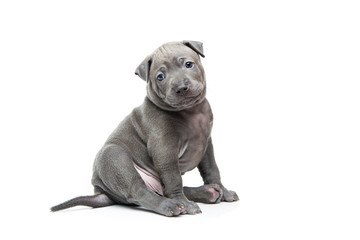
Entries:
{"x":171,"y":52}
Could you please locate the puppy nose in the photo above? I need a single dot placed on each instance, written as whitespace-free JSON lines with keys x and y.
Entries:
{"x":182,"y":90}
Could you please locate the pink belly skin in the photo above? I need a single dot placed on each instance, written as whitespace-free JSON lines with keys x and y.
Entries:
{"x":151,"y":180}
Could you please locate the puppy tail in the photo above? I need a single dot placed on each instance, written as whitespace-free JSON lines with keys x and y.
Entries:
{"x":95,"y":201}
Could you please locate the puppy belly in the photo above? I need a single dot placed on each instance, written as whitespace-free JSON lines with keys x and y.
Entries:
{"x":151,"y":180}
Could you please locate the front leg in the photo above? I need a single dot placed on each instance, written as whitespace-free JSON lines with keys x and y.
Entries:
{"x":166,"y":162}
{"x":209,"y":193}
{"x":210,"y":173}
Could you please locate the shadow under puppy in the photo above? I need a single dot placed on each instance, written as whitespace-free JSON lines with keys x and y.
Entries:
{"x":142,"y":161}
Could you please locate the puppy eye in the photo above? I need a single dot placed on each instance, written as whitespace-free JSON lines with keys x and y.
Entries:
{"x":160,"y":77}
{"x":189,"y":64}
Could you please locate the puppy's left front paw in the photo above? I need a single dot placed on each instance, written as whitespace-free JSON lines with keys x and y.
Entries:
{"x":229,"y":196}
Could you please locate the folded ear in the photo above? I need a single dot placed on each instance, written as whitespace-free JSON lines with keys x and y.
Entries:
{"x":196,"y":46}
{"x":143,"y":70}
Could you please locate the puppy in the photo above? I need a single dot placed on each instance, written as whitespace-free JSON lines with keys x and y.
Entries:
{"x":142,"y":161}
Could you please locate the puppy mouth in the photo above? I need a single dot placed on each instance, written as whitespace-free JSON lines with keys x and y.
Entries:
{"x":186,"y":101}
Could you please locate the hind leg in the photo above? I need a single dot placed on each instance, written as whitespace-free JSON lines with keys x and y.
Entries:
{"x":115,"y":174}
{"x":209,"y":193}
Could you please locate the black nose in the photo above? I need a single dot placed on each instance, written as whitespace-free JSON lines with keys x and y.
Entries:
{"x":181,"y":90}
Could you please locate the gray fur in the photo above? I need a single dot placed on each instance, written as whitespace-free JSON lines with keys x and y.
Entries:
{"x":168,"y":135}
{"x":95,"y":201}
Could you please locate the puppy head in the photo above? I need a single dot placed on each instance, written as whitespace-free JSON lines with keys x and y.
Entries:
{"x":175,"y":76}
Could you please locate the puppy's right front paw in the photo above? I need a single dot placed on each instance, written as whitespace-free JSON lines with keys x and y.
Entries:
{"x":189,"y":206}
{"x":176,"y":206}
{"x":192,"y":208}
{"x":171,"y":208}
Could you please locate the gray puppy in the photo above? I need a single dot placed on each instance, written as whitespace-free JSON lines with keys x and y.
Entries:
{"x":142,"y":161}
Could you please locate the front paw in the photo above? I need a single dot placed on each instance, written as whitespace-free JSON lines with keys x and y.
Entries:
{"x":189,"y":206}
{"x":209,"y":193}
{"x":229,"y":196}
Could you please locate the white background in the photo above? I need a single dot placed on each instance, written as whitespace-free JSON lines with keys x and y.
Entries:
{"x":283,"y":80}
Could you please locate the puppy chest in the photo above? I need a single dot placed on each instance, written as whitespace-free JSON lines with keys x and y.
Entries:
{"x":191,"y":157}
{"x":193,"y":142}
